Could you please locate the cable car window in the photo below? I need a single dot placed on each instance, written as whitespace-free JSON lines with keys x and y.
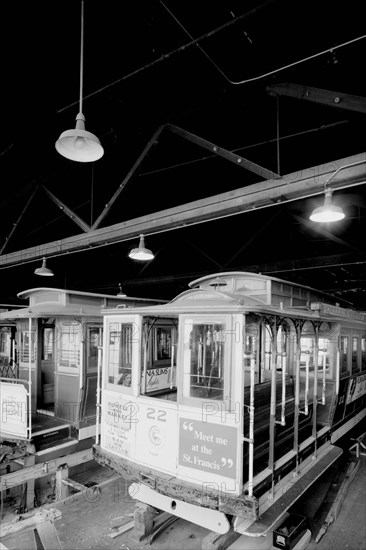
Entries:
{"x":5,"y":345}
{"x":94,"y":336}
{"x":325,"y":352}
{"x":204,"y":365}
{"x":162,"y":347}
{"x":282,"y":343}
{"x":355,"y":363}
{"x":343,"y":359}
{"x":27,"y":348}
{"x":307,"y":352}
{"x":363,"y":353}
{"x":250,"y":350}
{"x":69,"y":341}
{"x":267,"y":349}
{"x":47,"y":343}
{"x":120,"y":340}
{"x":159,"y":356}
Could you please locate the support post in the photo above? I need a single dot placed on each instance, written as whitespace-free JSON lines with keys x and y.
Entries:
{"x":272,"y":418}
{"x":144,"y":516}
{"x":297,"y":394}
{"x":315,"y":388}
{"x":29,"y":485}
{"x":62,"y":489}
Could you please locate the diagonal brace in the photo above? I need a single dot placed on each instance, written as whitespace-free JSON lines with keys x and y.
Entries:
{"x":339,"y":100}
{"x":220,"y":151}
{"x":15,"y":225}
{"x":121,"y":186}
{"x":74,"y":217}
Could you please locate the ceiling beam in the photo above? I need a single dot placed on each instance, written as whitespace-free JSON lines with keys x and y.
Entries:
{"x":343,"y":173}
{"x":339,"y":100}
{"x":122,"y":185}
{"x":15,"y":224}
{"x":62,"y":206}
{"x":221,"y":152}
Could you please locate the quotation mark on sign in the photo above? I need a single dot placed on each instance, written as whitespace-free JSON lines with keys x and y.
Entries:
{"x":188,"y":426}
{"x":227,"y":462}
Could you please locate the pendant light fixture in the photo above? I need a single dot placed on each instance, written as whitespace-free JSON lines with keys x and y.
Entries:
{"x":44,"y":271}
{"x":328,"y":212}
{"x":78,"y":144}
{"x":141,"y":253}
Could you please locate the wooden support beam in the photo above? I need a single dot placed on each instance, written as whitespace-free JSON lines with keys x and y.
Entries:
{"x":220,"y":151}
{"x":29,"y":486}
{"x":62,"y":489}
{"x":13,"y":479}
{"x":349,"y":171}
{"x":31,"y":521}
{"x":62,"y":206}
{"x":339,"y":100}
{"x":46,"y":537}
{"x":74,"y":484}
{"x":123,"y":184}
{"x":15,"y":225}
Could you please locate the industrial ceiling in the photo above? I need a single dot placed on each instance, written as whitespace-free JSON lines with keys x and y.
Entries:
{"x":221,"y":124}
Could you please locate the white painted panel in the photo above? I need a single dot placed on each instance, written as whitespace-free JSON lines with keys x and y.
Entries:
{"x":14,"y":407}
{"x":156,"y":441}
{"x":118,"y":423}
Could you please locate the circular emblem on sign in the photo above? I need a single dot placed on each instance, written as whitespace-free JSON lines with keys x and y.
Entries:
{"x":156,"y":436}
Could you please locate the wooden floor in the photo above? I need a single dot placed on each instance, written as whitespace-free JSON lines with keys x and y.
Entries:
{"x":41,"y":422}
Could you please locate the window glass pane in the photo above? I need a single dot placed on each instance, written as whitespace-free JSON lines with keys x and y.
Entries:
{"x":47,"y":343}
{"x":69,"y":345}
{"x":159,"y":355}
{"x":162,"y":344}
{"x":5,"y":342}
{"x":94,"y":340}
{"x":282,"y":348}
{"x":120,"y":353}
{"x":250,"y":354}
{"x":205,"y":361}
{"x":344,"y":354}
{"x":267,"y":338}
{"x":325,"y":354}
{"x":307,"y":352}
{"x":363,"y":353}
{"x":355,"y":365}
{"x":25,"y":345}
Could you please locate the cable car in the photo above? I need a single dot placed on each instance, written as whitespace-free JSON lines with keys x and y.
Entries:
{"x":49,"y":355}
{"x":224,"y":405}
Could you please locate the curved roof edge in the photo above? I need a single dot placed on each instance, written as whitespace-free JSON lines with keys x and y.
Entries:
{"x":30,"y":291}
{"x":266,"y":278}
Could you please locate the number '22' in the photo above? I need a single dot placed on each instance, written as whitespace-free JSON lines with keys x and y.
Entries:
{"x":155,"y":414}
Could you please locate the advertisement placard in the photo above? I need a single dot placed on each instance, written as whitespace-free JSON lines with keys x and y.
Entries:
{"x":13,"y":414}
{"x":208,"y":447}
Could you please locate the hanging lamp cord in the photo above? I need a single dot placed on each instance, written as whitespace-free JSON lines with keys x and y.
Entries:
{"x":81,"y":58}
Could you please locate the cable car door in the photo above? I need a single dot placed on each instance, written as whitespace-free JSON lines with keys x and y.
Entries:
{"x":88,"y":383}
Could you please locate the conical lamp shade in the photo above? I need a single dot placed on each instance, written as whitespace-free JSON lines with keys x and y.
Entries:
{"x":43,"y":271}
{"x":78,"y":144}
{"x":328,"y":212}
{"x":141,"y":253}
